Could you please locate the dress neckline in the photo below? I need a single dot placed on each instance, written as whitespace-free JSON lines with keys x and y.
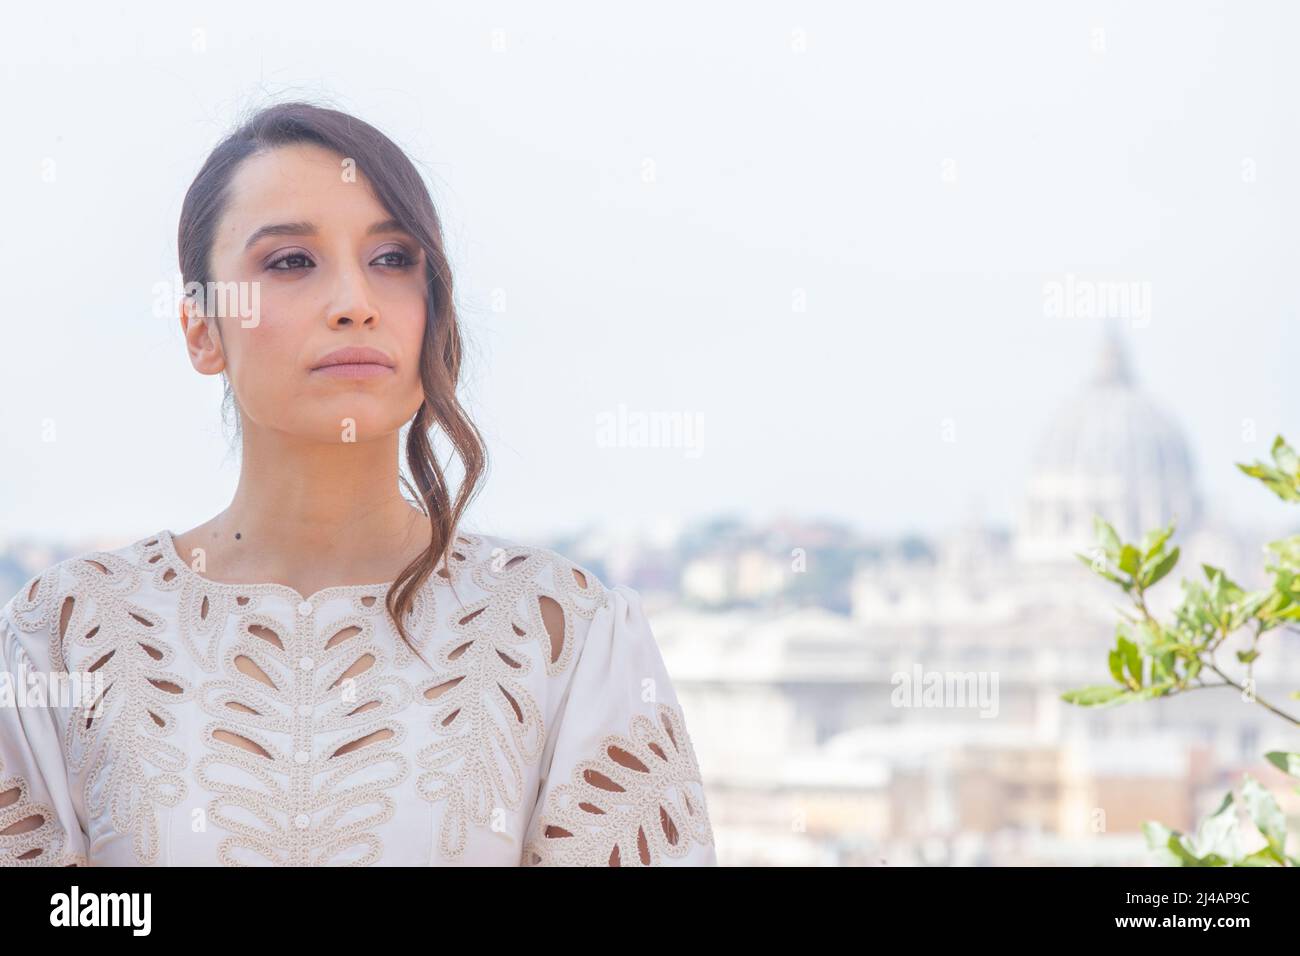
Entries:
{"x":166,"y":541}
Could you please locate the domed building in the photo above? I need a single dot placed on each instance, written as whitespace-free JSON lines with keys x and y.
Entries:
{"x":1111,"y":450}
{"x":929,"y":726}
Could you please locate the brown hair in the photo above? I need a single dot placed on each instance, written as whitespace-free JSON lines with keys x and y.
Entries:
{"x":400,"y":189}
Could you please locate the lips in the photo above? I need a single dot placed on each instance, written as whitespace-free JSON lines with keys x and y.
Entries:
{"x":354,"y":355}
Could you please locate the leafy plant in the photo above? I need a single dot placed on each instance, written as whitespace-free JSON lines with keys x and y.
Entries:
{"x":1154,"y":658}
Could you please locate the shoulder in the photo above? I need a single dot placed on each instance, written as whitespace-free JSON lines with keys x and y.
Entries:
{"x":530,"y":590}
{"x":495,"y":559}
{"x":568,"y":591}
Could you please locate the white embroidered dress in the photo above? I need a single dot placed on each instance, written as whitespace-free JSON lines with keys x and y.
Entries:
{"x":248,"y":725}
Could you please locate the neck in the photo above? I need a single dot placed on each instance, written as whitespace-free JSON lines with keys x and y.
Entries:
{"x":312,"y":514}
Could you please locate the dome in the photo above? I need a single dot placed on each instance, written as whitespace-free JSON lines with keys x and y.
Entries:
{"x":1111,"y":451}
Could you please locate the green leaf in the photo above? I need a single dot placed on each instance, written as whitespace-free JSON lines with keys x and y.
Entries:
{"x":1287,"y":460}
{"x":1217,"y":835}
{"x":1250,"y":604}
{"x":1102,"y":570}
{"x":1163,"y":667}
{"x":1284,"y":479}
{"x":1100,"y":695}
{"x":1232,"y":591}
{"x":1128,"y":559}
{"x":1267,"y":815}
{"x":1177,"y":846}
{"x":1161,"y":568}
{"x":1164,"y":842}
{"x":1218,"y":577}
{"x":1106,"y":536}
{"x":1132,"y":659}
{"x":1152,"y":690}
{"x":1287,"y":550}
{"x":1286,"y":762}
{"x":1153,"y":541}
{"x":1116,"y":661}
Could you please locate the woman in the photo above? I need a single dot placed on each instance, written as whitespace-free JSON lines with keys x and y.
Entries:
{"x":255,"y":699}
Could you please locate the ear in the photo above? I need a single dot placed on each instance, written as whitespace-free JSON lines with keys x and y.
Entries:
{"x":206,"y":352}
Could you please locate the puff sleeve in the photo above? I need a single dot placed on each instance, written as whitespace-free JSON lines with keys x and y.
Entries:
{"x":38,"y":822}
{"x":622,"y":786}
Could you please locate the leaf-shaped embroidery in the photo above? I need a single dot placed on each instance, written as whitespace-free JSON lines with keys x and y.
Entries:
{"x":203,"y":607}
{"x":294,"y":800}
{"x":639,"y":801}
{"x":487,"y":721}
{"x":130,"y":768}
{"x":40,"y":845}
{"x":490,"y":724}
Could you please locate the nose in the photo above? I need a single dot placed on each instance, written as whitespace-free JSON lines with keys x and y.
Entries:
{"x":351,"y":303}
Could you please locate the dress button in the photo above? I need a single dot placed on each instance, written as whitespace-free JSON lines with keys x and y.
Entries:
{"x":304,"y":608}
{"x":302,"y":756}
{"x":302,"y":821}
{"x":304,"y":709}
{"x":306,"y":663}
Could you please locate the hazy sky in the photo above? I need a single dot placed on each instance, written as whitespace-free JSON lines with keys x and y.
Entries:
{"x":821,"y":231}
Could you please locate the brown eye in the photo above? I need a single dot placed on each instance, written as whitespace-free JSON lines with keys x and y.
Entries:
{"x":398,"y":259}
{"x":290,"y":257}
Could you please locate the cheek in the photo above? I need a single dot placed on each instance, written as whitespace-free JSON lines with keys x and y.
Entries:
{"x":412,"y":378}
{"x":406,"y":309}
{"x":408,"y":318}
{"x":263,"y":359}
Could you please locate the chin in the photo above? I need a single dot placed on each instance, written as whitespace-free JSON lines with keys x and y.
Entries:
{"x":350,"y":425}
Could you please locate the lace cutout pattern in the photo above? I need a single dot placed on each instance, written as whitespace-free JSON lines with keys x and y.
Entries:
{"x":483,"y":713}
{"x":639,"y":802}
{"x":23,"y":842}
{"x":34,"y":608}
{"x":287,"y":719}
{"x":129,"y":766}
{"x":203,"y":607}
{"x":300,"y":796}
{"x":43,"y":845}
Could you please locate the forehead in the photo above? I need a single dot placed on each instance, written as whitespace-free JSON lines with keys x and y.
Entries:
{"x":294,"y":183}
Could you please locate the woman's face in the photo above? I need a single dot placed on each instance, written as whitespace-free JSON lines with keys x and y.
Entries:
{"x":332,"y":271}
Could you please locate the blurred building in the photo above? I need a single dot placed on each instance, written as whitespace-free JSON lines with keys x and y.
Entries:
{"x":813,"y":756}
{"x":1111,"y":450}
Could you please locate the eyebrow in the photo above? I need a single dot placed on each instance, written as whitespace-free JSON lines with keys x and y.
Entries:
{"x":309,"y":229}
